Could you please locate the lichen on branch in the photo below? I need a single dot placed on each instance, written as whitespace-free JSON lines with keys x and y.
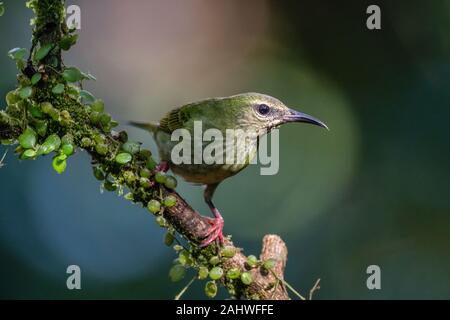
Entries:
{"x":49,"y":114}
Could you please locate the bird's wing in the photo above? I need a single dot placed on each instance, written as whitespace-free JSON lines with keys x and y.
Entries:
{"x":179,"y":117}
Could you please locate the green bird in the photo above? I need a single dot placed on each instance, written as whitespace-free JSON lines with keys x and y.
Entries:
{"x":250,"y":112}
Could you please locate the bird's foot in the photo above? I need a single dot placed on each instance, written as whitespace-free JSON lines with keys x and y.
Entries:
{"x":214,"y":232}
{"x":163,"y":166}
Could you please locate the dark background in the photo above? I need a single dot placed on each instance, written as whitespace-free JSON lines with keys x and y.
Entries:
{"x":373,"y":190}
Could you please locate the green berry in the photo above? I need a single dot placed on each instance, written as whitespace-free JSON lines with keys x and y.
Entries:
{"x":216,"y":273}
{"x":252,"y":261}
{"x":211,"y":289}
{"x":154,"y":206}
{"x":170,"y":182}
{"x":170,"y":201}
{"x":269,"y":264}
{"x":203,"y":273}
{"x":246,"y":278}
{"x":214,"y":260}
{"x":233,"y":273}
{"x":228,"y":252}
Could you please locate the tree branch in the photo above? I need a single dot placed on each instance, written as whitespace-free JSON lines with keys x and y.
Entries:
{"x":76,"y":119}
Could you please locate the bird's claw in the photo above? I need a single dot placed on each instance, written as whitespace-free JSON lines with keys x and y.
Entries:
{"x":214,"y":232}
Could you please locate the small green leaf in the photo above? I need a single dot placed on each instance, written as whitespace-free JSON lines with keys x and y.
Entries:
{"x":151,"y":163}
{"x":67,"y":149}
{"x":43,"y":51}
{"x":51,"y":144}
{"x":35,"y":78}
{"x":17,"y":53}
{"x":12,"y":97}
{"x":98,"y":105}
{"x":98,"y":174}
{"x":131,"y":147}
{"x":72,"y":74}
{"x":211,"y":289}
{"x":27,"y":139}
{"x":68,"y":41}
{"x":177,"y":273}
{"x":216,"y":273}
{"x":25,"y":92}
{"x":27,"y":154}
{"x":87,"y":96}
{"x":109,"y":186}
{"x":2,"y":9}
{"x":58,"y":89}
{"x":123,"y":158}
{"x":203,"y":273}
{"x":59,"y":163}
{"x":160,"y":177}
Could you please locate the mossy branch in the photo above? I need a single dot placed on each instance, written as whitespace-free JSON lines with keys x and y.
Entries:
{"x":49,"y":113}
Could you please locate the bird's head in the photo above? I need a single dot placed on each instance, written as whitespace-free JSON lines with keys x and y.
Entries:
{"x":261,"y":112}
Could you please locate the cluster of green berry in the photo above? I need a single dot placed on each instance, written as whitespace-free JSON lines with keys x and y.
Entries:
{"x":211,"y":267}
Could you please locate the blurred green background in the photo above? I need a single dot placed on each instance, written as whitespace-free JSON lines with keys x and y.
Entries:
{"x":373,"y":190}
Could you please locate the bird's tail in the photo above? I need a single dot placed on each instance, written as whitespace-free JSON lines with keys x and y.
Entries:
{"x":152,"y":127}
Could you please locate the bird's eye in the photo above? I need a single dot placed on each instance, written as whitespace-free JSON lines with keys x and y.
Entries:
{"x":263,"y":109}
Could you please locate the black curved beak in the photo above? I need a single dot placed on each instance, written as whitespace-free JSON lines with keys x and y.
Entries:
{"x":297,"y":116}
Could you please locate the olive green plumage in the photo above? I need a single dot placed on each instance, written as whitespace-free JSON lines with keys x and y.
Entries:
{"x":240,"y":111}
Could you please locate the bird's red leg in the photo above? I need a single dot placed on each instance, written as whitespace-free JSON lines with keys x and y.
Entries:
{"x":215,"y":231}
